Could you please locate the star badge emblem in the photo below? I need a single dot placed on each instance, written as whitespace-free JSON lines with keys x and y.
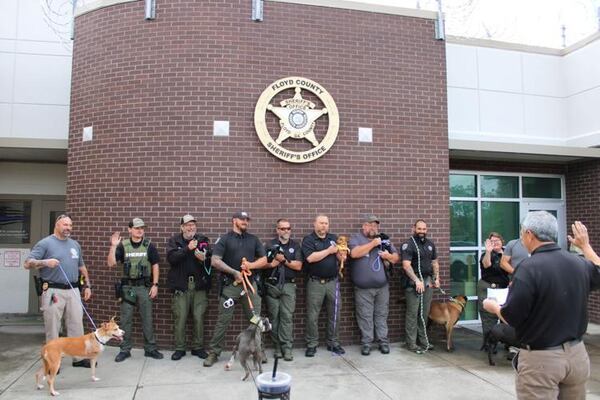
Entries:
{"x":297,"y":118}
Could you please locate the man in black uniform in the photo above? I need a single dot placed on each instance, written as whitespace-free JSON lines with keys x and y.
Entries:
{"x":547,"y":306}
{"x":493,"y":276}
{"x":283,"y":255}
{"x":321,"y":257}
{"x":189,"y":280}
{"x":228,"y":255}
{"x":419,"y":261}
{"x":138,"y":257}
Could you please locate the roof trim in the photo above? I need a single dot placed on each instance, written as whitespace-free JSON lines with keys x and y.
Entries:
{"x":368,"y":7}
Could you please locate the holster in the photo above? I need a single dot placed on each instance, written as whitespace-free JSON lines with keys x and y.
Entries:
{"x":118,"y":290}
{"x":37,"y":281}
{"x":128,"y":295}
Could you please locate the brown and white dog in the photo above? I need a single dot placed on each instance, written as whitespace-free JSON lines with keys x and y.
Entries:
{"x":88,"y":346}
{"x":447,"y":314}
{"x":249,"y":343}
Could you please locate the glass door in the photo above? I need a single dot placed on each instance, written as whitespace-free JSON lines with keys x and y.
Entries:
{"x":553,"y":207}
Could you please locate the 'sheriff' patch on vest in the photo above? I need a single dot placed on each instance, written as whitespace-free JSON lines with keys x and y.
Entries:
{"x":136,"y":263}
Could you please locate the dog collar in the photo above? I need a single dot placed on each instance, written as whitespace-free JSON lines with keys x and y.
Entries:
{"x":98,"y":339}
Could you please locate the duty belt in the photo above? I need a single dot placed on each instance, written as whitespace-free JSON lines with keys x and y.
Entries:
{"x":322,"y":280}
{"x":133,"y":282}
{"x":563,"y":346}
{"x":62,"y":285}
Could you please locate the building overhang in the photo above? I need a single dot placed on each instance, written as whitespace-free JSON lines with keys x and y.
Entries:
{"x":34,"y":150}
{"x":479,"y":150}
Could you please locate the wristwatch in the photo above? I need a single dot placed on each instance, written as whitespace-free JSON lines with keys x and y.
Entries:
{"x":155,"y":284}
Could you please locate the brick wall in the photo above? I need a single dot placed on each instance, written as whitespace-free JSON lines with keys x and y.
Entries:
{"x":583,"y":193}
{"x":152,"y":90}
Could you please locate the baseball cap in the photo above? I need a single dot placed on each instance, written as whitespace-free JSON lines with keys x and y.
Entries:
{"x":137,"y":223}
{"x":187,"y":218}
{"x":241,"y":215}
{"x":370,"y":218}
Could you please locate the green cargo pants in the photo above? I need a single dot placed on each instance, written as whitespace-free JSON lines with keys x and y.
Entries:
{"x":281,"y":305}
{"x":144,"y":304}
{"x":225,"y":314}
{"x":318,"y":291}
{"x":182,"y":302}
{"x":488,"y":320}
{"x":414,"y":325}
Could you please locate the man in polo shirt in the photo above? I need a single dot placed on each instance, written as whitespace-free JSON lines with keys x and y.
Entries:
{"x":59,"y":260}
{"x":321,"y":258}
{"x":228,"y":254}
{"x":370,"y":258}
{"x":547,"y":305}
{"x":286,"y":260}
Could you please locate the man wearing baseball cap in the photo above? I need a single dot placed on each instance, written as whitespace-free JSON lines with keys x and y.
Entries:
{"x":188,"y":253}
{"x":138,"y":258}
{"x":235,"y":251}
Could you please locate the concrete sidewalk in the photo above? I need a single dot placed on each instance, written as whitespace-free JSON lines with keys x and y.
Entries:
{"x":401,"y":374}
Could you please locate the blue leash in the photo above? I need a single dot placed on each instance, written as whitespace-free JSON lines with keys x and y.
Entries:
{"x":82,"y":306}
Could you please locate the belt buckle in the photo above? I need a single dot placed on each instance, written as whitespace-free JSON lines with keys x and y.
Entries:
{"x":322,"y":281}
{"x":191,"y":278}
{"x":493,"y":286}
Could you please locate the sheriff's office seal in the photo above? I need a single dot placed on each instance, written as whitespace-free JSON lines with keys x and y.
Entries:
{"x":297,"y":119}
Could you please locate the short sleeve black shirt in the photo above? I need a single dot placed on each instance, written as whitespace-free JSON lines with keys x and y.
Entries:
{"x":292,"y":253}
{"x":153,"y":255}
{"x":547,"y":300}
{"x":427,"y":253}
{"x":494,"y":273}
{"x":327,"y":267}
{"x":232,"y":247}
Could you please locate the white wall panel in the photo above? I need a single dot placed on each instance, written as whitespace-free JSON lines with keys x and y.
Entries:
{"x":463,"y":110}
{"x":8,"y":19}
{"x":40,"y":121}
{"x":543,"y":75}
{"x":31,"y":22}
{"x":42,"y":79}
{"x":501,"y":112}
{"x":545,"y":117}
{"x":461,"y":63}
{"x":582,"y":69}
{"x":499,"y":70}
{"x":7,"y":68}
{"x":583,"y":116}
{"x":5,"y":119}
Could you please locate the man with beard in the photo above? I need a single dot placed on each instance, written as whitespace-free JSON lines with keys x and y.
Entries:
{"x":189,"y":279}
{"x":138,"y":258}
{"x":419,"y":261}
{"x":281,"y":288}
{"x":59,"y":260}
{"x":321,"y":258}
{"x":370,"y":257}
{"x":234,"y":252}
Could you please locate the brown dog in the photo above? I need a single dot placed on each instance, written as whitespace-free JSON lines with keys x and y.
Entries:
{"x":88,"y":346}
{"x":447,"y":314}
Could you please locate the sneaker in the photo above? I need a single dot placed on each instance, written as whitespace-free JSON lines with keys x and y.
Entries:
{"x":124,"y":354}
{"x":429,"y":347}
{"x":200,"y":353}
{"x":414,"y":348}
{"x":310,"y":351}
{"x":384,"y":348}
{"x":176,"y":356}
{"x":337,"y":349}
{"x":83,"y":364}
{"x":210,"y":360}
{"x":157,"y":355}
{"x":287,"y":355}
{"x":365,"y":350}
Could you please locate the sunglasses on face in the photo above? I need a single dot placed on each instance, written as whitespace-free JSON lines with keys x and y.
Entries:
{"x":287,"y":228}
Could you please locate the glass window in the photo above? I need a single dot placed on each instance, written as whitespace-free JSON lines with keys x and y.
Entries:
{"x":463,"y":223}
{"x":546,"y":188}
{"x":463,"y":186}
{"x":501,"y":217}
{"x":463,"y":279}
{"x":500,"y":186}
{"x":15,"y":221}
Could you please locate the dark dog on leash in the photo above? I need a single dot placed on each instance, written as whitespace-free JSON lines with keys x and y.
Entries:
{"x":500,"y":333}
{"x":249,"y":343}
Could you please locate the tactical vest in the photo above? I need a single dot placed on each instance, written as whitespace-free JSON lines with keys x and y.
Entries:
{"x":136,"y":264}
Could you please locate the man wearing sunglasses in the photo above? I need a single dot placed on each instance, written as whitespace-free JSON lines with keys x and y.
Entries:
{"x":283,"y":255}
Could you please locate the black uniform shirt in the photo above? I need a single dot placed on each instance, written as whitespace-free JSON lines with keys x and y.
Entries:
{"x":494,"y":273}
{"x":292,"y":253}
{"x":232,"y":247}
{"x":547,"y":300}
{"x":427,"y":252}
{"x":326,"y":268}
{"x":153,"y":255}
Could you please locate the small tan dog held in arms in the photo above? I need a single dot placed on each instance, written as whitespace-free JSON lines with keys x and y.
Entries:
{"x":447,"y":314}
{"x":342,"y":245}
{"x":88,"y":346}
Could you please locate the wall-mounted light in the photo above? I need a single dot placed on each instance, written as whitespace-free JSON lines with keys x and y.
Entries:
{"x":150,"y":9}
{"x":257,"y":10}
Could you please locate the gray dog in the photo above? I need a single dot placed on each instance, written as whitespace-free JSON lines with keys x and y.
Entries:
{"x":249,"y":343}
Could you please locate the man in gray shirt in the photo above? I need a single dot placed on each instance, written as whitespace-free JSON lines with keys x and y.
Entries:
{"x":59,"y":261}
{"x":514,"y":254}
{"x":371,"y":254}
